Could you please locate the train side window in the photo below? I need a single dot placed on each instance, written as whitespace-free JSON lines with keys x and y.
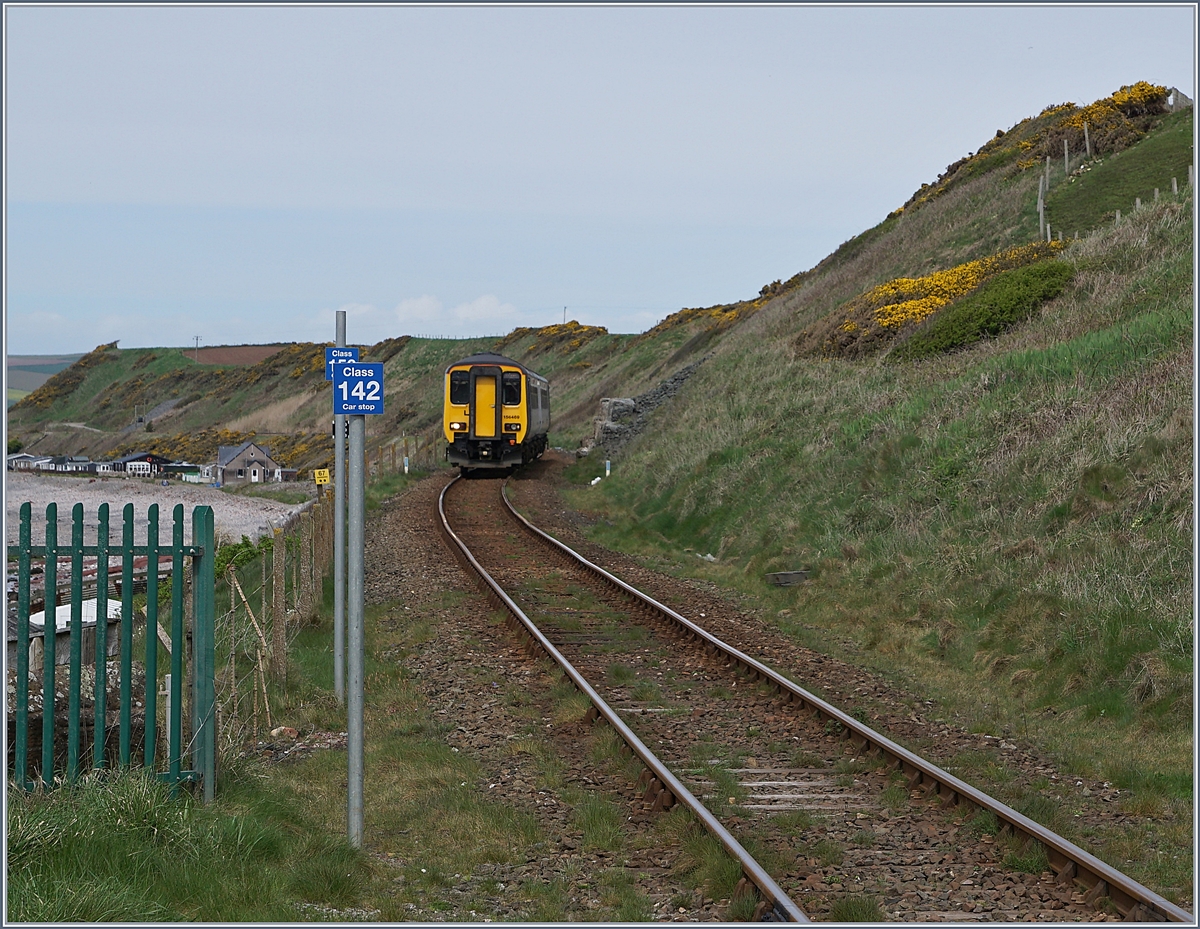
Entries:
{"x":460,"y":387}
{"x":511,"y":381}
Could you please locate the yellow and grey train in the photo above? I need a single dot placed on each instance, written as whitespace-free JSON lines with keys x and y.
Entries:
{"x":496,"y":413}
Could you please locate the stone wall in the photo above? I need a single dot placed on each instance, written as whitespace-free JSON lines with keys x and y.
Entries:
{"x":623,"y":419}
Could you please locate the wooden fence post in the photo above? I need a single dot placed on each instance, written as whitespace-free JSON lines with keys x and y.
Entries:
{"x":306,"y":585}
{"x":278,"y":610}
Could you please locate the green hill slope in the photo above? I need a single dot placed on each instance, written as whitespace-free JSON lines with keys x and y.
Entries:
{"x":1007,"y":526}
{"x":993,"y":492}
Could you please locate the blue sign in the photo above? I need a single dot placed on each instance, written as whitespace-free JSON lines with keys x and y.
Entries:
{"x":357,"y":388}
{"x":334,"y":355}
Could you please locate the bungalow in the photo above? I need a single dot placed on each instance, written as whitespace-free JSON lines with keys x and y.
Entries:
{"x":248,"y":462}
{"x":74,"y":464}
{"x":141,"y":464}
{"x":24,"y":461}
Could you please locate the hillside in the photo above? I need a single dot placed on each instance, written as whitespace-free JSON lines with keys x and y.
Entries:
{"x":26,"y":373}
{"x":979,"y":443}
{"x":1005,"y":522}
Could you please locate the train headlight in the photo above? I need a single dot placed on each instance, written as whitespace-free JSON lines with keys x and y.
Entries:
{"x":512,"y":427}
{"x":457,"y":427}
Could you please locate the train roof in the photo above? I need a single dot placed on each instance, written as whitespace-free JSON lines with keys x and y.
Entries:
{"x":491,"y":358}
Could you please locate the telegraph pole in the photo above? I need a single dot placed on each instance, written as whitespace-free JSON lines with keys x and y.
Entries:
{"x":197,"y":338}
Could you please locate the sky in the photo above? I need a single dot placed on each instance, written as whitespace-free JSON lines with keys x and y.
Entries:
{"x":179,"y":175}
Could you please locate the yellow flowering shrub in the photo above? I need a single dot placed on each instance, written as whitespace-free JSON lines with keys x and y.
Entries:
{"x":1114,"y":123}
{"x":294,"y":450}
{"x":63,"y":384}
{"x":567,"y":337}
{"x":726,"y":314}
{"x":873,"y":320}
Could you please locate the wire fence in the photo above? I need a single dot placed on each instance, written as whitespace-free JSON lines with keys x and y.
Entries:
{"x":263,"y":604}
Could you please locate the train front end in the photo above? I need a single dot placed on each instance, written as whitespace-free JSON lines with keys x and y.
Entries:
{"x":496,"y":413}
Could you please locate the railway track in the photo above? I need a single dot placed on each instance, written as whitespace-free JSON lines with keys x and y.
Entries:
{"x":842,"y":811}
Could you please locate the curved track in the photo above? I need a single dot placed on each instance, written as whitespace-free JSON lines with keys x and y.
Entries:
{"x":951,"y":884}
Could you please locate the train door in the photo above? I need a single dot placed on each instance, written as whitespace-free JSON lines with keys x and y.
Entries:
{"x":485,"y":408}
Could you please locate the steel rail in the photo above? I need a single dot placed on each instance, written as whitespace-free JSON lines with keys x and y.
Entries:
{"x":664,"y":789}
{"x":1134,"y":901}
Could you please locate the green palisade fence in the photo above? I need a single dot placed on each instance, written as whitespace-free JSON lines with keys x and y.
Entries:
{"x":194,"y":762}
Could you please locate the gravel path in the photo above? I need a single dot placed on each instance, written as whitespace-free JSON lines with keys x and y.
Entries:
{"x":234,"y":515}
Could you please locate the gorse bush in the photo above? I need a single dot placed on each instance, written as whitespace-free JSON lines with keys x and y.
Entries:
{"x":1114,"y":123}
{"x":65,"y":382}
{"x":877,"y":318}
{"x":1002,"y":302}
{"x":566,"y":337}
{"x":241,"y":553}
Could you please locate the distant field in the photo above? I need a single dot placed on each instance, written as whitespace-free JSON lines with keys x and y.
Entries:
{"x":232,"y":354}
{"x":27,"y":373}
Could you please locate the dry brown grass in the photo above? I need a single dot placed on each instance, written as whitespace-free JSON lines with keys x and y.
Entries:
{"x":280,"y":416}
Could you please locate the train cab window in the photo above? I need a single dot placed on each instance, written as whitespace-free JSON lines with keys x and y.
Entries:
{"x":460,"y":387}
{"x":511,"y":381}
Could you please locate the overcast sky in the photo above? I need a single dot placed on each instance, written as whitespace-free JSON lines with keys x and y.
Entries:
{"x":239,"y":173}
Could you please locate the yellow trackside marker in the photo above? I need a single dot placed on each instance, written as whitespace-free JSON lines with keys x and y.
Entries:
{"x":321,"y":476}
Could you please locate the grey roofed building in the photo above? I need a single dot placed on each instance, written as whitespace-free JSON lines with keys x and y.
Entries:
{"x":248,"y":462}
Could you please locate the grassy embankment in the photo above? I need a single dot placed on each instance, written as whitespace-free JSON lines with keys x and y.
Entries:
{"x":1006,"y":528}
{"x":272,"y":847}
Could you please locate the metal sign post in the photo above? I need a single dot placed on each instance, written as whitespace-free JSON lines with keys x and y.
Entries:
{"x":357,"y":391}
{"x":339,"y":523}
{"x":355,"y":540}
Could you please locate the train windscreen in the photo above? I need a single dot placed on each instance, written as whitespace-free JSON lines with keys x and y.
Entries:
{"x":512,"y":388}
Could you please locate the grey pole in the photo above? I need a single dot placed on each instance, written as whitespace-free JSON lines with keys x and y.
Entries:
{"x":354,"y":543}
{"x":339,"y":538}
